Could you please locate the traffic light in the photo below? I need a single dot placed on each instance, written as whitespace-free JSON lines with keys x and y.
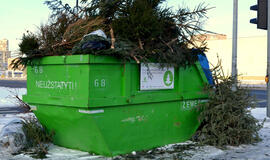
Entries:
{"x":262,"y":13}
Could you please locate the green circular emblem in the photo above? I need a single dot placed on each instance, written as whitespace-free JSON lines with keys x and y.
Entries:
{"x":168,"y":78}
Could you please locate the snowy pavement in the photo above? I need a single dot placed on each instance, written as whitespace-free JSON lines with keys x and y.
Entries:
{"x":7,"y":96}
{"x":258,"y":151}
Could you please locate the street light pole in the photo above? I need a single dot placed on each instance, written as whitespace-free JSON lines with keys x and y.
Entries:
{"x":234,"y":43}
{"x":268,"y":58}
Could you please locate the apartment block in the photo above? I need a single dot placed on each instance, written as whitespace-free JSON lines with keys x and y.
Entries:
{"x":4,"y":54}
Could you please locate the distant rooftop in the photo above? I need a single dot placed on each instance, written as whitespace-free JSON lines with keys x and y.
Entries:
{"x":209,"y":37}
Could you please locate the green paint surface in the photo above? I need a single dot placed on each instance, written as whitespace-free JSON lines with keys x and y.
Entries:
{"x":94,"y":104}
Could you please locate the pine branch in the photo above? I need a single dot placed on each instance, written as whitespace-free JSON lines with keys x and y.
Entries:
{"x":167,"y":44}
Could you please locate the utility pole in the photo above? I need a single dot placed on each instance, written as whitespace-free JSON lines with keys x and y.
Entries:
{"x":234,"y":43}
{"x":268,"y":58}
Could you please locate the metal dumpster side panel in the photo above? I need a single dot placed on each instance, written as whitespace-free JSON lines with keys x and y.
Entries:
{"x":119,"y":84}
{"x":193,"y":82}
{"x":55,"y":84}
{"x":118,"y":130}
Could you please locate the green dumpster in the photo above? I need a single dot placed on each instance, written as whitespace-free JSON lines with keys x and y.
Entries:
{"x":100,"y":104}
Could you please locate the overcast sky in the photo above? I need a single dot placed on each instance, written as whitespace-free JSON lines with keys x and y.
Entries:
{"x":17,"y":16}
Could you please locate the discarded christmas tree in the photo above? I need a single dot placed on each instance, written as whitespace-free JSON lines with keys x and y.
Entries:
{"x":226,"y":118}
{"x":138,"y":30}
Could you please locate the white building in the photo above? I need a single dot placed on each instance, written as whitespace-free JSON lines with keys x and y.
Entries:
{"x":251,"y":57}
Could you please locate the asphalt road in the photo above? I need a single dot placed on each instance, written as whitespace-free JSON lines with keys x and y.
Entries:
{"x":11,"y":110}
{"x":13,"y":83}
{"x":261,"y":96}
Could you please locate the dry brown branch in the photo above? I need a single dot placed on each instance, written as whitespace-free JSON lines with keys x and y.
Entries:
{"x":135,"y":58}
{"x":112,"y":37}
{"x":169,"y":43}
{"x":23,"y":104}
{"x":19,"y":101}
{"x":65,"y":43}
{"x":77,"y":30}
{"x":140,"y":44}
{"x":172,"y":41}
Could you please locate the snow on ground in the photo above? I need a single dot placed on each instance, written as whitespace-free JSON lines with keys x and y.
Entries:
{"x":259,"y":151}
{"x":7,"y":96}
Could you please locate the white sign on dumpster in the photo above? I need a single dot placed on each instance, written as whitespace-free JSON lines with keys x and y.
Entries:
{"x":153,"y":77}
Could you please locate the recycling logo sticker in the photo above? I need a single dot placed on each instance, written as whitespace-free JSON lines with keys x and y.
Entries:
{"x":161,"y":78}
{"x":168,"y":78}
